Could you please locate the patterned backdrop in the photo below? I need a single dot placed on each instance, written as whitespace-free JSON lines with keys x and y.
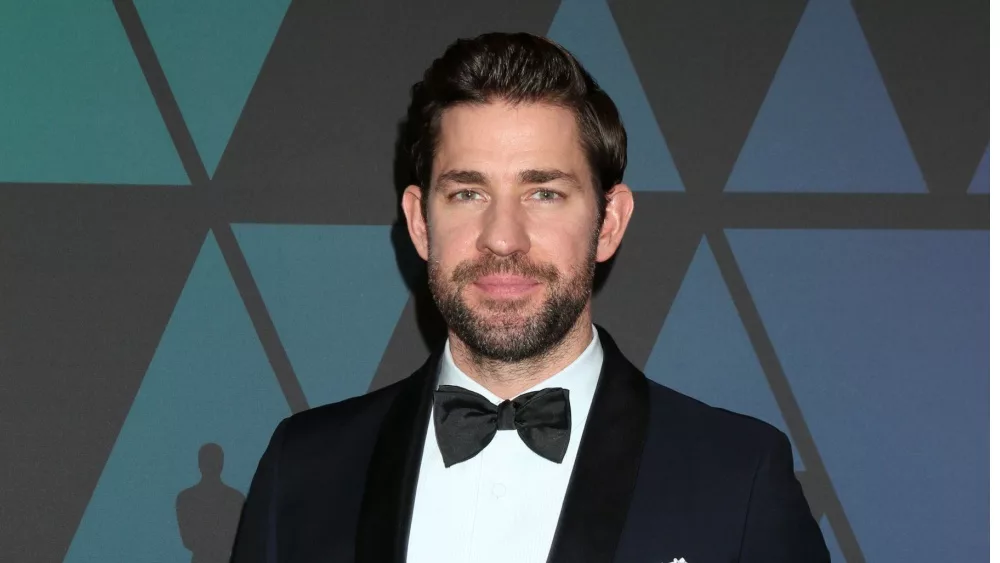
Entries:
{"x":199,"y":235}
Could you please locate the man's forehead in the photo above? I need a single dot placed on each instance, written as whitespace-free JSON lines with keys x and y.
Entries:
{"x":523,"y":141}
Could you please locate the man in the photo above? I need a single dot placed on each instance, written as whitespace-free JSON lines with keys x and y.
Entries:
{"x":529,"y":437}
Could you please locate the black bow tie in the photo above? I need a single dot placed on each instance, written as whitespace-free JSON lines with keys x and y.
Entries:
{"x":465,"y":422}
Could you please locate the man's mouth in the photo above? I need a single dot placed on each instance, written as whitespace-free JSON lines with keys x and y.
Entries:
{"x":506,"y":285}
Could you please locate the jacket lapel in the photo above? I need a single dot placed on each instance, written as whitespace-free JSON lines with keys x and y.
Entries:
{"x":600,"y":490}
{"x":384,"y":520}
{"x":597,"y":499}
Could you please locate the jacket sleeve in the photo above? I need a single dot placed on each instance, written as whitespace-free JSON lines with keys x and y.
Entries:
{"x":779,"y":527}
{"x":256,"y":535}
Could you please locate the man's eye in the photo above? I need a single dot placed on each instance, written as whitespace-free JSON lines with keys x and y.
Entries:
{"x":547,"y":195}
{"x":464,"y":195}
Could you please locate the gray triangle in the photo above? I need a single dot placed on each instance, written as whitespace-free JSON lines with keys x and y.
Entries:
{"x":706,"y":67}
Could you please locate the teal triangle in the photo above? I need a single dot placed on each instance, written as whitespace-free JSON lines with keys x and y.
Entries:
{"x":836,"y":556}
{"x":703,"y":350}
{"x":588,"y":30}
{"x":211,"y":53}
{"x":827,"y":123}
{"x":334,"y":293}
{"x":981,"y":179}
{"x":209,"y":382}
{"x":74,"y":105}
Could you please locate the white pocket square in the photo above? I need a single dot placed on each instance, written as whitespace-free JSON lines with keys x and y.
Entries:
{"x":681,"y":560}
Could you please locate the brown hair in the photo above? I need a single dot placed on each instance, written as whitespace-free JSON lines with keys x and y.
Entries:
{"x":515,"y":68}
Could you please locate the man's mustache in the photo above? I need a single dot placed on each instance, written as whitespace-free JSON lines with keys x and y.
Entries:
{"x":469,"y":271}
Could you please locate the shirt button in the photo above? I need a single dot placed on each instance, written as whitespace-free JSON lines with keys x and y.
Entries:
{"x":499,"y":490}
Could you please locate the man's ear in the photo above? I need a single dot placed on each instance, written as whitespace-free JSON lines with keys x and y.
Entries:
{"x":616,"y":217}
{"x":416,"y":223}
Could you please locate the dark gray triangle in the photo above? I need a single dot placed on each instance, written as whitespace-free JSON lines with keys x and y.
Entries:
{"x":90,"y":278}
{"x":320,"y":125}
{"x":636,"y":290}
{"x":211,"y":52}
{"x":418,"y":332}
{"x":706,"y":67}
{"x":420,"y":328}
{"x":934,"y":60}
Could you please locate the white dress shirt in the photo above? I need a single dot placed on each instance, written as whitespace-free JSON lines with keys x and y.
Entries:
{"x":504,"y":503}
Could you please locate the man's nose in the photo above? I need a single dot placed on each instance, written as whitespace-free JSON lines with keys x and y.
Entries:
{"x":504,"y":228}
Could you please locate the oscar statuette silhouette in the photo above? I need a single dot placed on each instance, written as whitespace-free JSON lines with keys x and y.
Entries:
{"x":208,"y":513}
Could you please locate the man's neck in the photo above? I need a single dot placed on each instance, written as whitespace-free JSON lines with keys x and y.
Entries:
{"x":509,"y":379}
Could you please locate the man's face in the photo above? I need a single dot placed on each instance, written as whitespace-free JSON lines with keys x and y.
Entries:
{"x":511,"y":227}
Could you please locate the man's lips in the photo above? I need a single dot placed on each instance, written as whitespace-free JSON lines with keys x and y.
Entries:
{"x":506,"y":285}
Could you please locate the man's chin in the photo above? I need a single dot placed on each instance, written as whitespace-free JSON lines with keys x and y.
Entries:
{"x":502,"y":342}
{"x":504,"y":313}
{"x":512,"y":334}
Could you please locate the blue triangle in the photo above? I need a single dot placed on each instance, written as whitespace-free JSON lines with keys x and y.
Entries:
{"x":588,"y":30}
{"x":703,"y":350}
{"x":211,"y":53}
{"x":981,"y":179}
{"x":335,"y":295}
{"x":884,"y":337}
{"x":74,"y":105}
{"x":209,"y":381}
{"x":827,"y":124}
{"x":836,"y":555}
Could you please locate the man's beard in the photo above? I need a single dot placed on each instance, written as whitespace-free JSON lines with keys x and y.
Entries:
{"x":508,"y":335}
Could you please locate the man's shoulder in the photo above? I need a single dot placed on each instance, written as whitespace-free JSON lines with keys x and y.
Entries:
{"x":708,"y":426}
{"x":676,"y":416}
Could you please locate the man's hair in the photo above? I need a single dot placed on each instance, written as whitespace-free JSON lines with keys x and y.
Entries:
{"x":516,"y":68}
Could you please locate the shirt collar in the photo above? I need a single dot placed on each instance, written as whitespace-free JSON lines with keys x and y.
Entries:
{"x":580,"y":377}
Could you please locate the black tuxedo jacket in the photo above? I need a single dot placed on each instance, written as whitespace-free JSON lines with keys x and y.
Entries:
{"x":658,"y":476}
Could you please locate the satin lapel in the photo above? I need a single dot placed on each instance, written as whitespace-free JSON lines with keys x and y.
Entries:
{"x":384,"y":521}
{"x":600,"y":490}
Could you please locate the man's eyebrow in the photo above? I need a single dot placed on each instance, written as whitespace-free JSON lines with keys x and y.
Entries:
{"x":459,"y":177}
{"x":545,"y":175}
{"x":531,"y":176}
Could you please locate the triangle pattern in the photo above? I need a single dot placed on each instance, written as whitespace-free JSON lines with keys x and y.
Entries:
{"x":209,"y":382}
{"x":935,"y":60}
{"x":335,"y":294}
{"x":588,"y":30}
{"x":981,"y":179}
{"x":704,"y":352}
{"x":89,"y":117}
{"x":892,"y":328}
{"x":706,"y":67}
{"x":211,"y":53}
{"x":827,"y":123}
